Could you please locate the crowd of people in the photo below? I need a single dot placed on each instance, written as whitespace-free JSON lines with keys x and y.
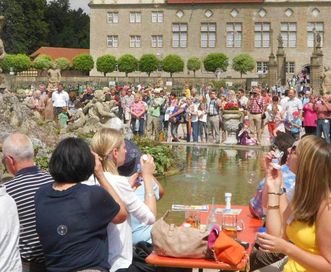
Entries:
{"x":97,"y":204}
{"x":95,"y":207}
{"x":91,"y":212}
{"x":192,"y":115}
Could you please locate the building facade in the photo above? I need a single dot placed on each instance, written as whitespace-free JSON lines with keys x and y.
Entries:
{"x":199,"y":27}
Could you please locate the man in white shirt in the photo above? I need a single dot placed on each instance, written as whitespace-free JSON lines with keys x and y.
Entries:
{"x":10,"y":259}
{"x":60,"y":99}
{"x":293,"y":104}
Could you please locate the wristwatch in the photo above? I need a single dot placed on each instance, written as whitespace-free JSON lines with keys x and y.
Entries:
{"x":282,"y":190}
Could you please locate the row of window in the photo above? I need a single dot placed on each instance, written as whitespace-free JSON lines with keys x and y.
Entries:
{"x":233,"y":35}
{"x":135,"y":17}
{"x":262,"y":67}
{"x":157,"y":16}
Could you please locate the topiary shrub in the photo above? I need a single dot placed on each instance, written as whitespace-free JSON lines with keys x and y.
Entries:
{"x":106,"y":64}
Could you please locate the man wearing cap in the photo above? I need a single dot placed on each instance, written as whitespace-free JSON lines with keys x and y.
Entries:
{"x":127,"y":103}
{"x":154,"y":110}
{"x":306,"y":98}
{"x":256,"y":107}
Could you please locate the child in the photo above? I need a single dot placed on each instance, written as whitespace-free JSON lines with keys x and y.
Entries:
{"x":202,"y":122}
{"x":273,"y":117}
{"x":63,"y":118}
{"x":244,"y":134}
{"x":296,"y":124}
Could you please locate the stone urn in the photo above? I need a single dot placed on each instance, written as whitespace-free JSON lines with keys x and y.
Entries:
{"x":231,"y":121}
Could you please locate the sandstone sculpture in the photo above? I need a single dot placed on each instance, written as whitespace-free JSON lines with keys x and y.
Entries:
{"x":54,"y":76}
{"x":326,"y":79}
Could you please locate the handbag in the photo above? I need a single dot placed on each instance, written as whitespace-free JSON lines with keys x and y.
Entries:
{"x":224,"y":248}
{"x":181,"y":242}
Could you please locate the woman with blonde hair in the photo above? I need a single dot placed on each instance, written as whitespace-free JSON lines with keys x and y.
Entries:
{"x":306,"y":220}
{"x":138,"y":109}
{"x":110,"y":146}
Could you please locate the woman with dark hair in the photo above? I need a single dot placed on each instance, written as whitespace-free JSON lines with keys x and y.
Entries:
{"x":72,"y":217}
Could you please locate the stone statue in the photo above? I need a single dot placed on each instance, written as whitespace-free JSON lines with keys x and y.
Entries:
{"x":98,"y":109}
{"x":318,"y":40}
{"x":54,"y":76}
{"x":280,"y":41}
{"x":326,"y":79}
{"x":78,"y":120}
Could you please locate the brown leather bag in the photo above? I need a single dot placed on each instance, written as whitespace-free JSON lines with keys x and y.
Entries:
{"x":181,"y":242}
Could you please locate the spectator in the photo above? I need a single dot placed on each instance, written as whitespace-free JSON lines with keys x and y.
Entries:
{"x":273,"y":117}
{"x":242,"y":99}
{"x":296,"y":125}
{"x":18,"y":158}
{"x":88,"y":96}
{"x":302,"y":232}
{"x":138,"y":109}
{"x":323,"y":110}
{"x":154,"y":112}
{"x":202,"y":122}
{"x":127,"y":102}
{"x":71,"y":217}
{"x":310,"y":117}
{"x":213,"y":112}
{"x":110,"y":146}
{"x":256,"y":107}
{"x":291,"y":105}
{"x":10,"y":259}
{"x":60,"y":99}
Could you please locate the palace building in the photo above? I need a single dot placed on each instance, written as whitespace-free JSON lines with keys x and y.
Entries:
{"x":199,"y":27}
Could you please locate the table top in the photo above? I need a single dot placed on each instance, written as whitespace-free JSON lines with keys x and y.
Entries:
{"x":248,"y":235}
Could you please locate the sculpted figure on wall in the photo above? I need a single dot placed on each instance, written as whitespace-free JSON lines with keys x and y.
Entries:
{"x":280,"y":41}
{"x":326,"y":79}
{"x":54,"y":76}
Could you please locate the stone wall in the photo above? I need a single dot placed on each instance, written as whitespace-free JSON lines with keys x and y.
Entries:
{"x":72,"y":82}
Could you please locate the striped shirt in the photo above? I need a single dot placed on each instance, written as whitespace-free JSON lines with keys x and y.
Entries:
{"x":22,"y":189}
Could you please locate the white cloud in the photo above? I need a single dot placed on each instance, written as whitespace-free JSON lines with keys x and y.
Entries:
{"x":75,"y":4}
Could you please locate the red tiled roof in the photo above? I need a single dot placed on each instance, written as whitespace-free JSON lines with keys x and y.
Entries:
{"x":59,"y":52}
{"x":213,"y":1}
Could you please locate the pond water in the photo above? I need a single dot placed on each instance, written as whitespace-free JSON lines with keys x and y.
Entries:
{"x":210,"y":172}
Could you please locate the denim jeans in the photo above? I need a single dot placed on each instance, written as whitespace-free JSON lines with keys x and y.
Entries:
{"x":195,"y":131}
{"x":141,"y":126}
{"x":203,"y":130}
{"x":323,"y":125}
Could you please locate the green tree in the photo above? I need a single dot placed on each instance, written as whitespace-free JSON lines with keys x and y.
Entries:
{"x":63,"y":63}
{"x":127,"y":64}
{"x":173,"y":64}
{"x":25,"y":29}
{"x":83,"y":63}
{"x":106,"y":64}
{"x":67,"y":27}
{"x":215,"y":61}
{"x":148,"y":63}
{"x":243,"y":63}
{"x":193,"y":64}
{"x":42,"y":62}
{"x":17,"y":63}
